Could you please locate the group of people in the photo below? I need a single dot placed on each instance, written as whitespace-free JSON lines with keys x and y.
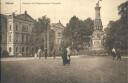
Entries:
{"x":40,"y":53}
{"x":65,"y":53}
{"x":116,"y":54}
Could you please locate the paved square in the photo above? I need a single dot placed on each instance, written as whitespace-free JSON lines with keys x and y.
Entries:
{"x":83,"y":69}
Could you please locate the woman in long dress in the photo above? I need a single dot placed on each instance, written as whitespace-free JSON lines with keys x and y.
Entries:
{"x":68,"y":55}
{"x":39,"y":53}
{"x":114,"y":53}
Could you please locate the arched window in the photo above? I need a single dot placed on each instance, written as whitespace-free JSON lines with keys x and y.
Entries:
{"x":10,"y":27}
{"x":16,"y":49}
{"x":27,"y":49}
{"x":10,"y":37}
{"x":10,"y":49}
{"x":16,"y":27}
{"x":22,"y":49}
{"x":22,"y":38}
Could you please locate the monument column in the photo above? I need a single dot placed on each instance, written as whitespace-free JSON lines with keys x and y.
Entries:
{"x":97,"y":36}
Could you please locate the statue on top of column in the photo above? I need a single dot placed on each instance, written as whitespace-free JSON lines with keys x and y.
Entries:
{"x":98,"y":2}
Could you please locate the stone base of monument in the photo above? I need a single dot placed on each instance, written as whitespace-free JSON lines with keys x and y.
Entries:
{"x":101,"y":52}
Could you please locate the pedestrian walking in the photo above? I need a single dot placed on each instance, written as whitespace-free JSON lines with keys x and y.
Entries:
{"x":113,"y":53}
{"x":118,"y":55}
{"x":54,"y":53}
{"x":39,"y":53}
{"x":45,"y":53}
{"x":68,"y":55}
{"x":35,"y":55}
{"x":64,"y":56}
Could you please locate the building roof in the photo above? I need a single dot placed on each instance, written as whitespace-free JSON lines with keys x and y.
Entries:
{"x":58,"y":25}
{"x":24,"y":16}
{"x":3,"y":16}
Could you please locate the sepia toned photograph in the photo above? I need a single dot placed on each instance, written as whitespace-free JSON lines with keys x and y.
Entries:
{"x":63,"y":41}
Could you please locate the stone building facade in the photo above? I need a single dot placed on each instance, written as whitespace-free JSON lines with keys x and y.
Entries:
{"x":19,"y":34}
{"x":3,"y":33}
{"x":58,"y":29}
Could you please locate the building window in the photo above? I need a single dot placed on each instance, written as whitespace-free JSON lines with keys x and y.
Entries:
{"x":16,"y":49}
{"x":27,"y":38}
{"x":22,"y":49}
{"x":59,"y":34}
{"x":27,"y":49}
{"x":16,"y":27}
{"x":10,"y":38}
{"x":27,"y":28}
{"x":19,"y":49}
{"x":10,"y":49}
{"x":16,"y":38}
{"x":22,"y":38}
{"x":32,"y":49}
{"x":24,"y":28}
{"x":10,"y":27}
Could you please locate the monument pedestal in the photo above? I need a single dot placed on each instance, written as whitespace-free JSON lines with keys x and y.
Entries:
{"x":102,"y":52}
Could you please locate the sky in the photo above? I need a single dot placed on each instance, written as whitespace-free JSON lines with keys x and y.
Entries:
{"x":63,"y":10}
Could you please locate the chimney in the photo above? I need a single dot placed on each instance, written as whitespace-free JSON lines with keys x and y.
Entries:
{"x":59,"y":21}
{"x":13,"y":14}
{"x":25,"y":12}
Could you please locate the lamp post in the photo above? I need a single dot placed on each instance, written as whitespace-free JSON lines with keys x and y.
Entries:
{"x":20,"y":6}
{"x":46,"y":39}
{"x":48,"y":50}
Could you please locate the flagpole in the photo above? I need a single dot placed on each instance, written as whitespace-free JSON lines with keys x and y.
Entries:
{"x":20,"y":6}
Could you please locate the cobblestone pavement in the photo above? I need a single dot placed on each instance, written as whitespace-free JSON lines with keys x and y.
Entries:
{"x":84,"y":69}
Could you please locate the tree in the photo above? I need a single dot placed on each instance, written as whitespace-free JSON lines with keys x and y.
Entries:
{"x":78,"y":32}
{"x":112,"y":35}
{"x":40,"y":29}
{"x":41,"y":24}
{"x":117,"y":33}
{"x":123,"y":12}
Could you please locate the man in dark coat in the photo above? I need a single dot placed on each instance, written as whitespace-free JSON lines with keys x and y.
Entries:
{"x":118,"y":55}
{"x":64,"y":55}
{"x":45,"y":53}
{"x":54,"y":51}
